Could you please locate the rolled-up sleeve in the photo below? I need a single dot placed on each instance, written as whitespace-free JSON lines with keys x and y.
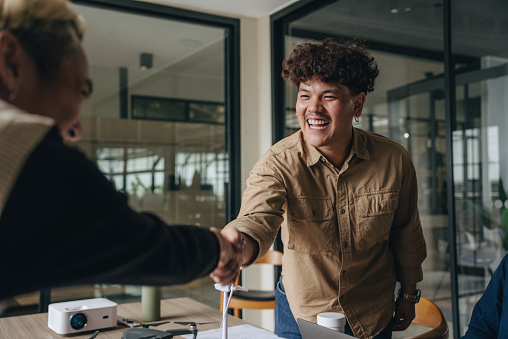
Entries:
{"x":261,"y":213}
{"x":406,"y":236}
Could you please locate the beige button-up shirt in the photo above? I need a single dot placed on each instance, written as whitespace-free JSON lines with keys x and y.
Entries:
{"x":348,"y":233}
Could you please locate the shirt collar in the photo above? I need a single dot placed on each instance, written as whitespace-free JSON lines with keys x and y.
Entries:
{"x":359,"y":148}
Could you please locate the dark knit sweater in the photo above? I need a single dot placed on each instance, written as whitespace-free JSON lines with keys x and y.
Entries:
{"x":63,"y":223}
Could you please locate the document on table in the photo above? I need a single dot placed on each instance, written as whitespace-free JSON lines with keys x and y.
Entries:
{"x":237,"y":332}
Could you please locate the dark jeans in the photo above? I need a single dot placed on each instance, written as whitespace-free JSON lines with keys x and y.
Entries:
{"x":286,"y":326}
{"x":285,"y":323}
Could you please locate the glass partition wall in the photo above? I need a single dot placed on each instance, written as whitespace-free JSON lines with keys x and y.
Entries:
{"x":159,"y":123}
{"x":155,"y":123}
{"x":409,"y":106}
{"x":479,"y":145}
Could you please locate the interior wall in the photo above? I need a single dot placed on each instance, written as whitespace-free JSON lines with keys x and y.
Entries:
{"x":256,"y":134}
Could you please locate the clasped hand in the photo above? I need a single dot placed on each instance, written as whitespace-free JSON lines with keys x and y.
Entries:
{"x":228,"y":267}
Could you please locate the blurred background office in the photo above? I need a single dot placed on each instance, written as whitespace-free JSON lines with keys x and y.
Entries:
{"x":188,"y":95}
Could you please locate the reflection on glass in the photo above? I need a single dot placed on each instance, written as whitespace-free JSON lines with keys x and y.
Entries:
{"x":158,"y":109}
{"x":207,"y":112}
{"x":479,"y":167}
{"x":168,"y":109}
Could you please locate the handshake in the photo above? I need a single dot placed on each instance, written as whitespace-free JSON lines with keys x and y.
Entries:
{"x":236,"y":250}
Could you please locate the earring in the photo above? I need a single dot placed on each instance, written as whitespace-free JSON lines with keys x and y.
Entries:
{"x":357,"y":119}
{"x":12,"y":90}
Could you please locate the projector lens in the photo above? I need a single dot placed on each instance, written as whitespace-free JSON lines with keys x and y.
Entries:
{"x":78,"y":321}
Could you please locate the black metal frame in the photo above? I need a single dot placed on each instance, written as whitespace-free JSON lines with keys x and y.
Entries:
{"x":450,"y":113}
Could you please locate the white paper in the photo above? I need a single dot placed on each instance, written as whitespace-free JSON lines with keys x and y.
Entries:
{"x":237,"y":332}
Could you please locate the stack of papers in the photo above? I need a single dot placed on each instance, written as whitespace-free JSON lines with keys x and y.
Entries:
{"x":237,"y":332}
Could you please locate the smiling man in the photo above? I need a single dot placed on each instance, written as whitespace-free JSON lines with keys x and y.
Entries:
{"x":346,"y":200}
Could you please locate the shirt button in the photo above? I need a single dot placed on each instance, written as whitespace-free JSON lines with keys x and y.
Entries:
{"x":345,"y":244}
{"x":342,"y":211}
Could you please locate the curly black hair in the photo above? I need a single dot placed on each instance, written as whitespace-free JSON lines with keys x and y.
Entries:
{"x":349,"y":64}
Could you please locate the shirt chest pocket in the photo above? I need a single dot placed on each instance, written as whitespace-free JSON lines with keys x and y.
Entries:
{"x":374,"y":217}
{"x":311,"y":225}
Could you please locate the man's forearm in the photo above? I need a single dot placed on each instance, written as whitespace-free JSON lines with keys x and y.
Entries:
{"x":408,"y":288}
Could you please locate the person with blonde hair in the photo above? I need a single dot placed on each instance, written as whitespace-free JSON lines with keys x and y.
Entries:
{"x":61,"y":222}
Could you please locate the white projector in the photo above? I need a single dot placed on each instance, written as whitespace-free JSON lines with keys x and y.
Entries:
{"x":81,"y":315}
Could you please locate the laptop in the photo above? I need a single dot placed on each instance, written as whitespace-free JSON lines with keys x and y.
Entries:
{"x":310,"y":330}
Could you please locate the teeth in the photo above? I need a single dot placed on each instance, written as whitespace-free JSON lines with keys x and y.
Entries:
{"x":318,"y":124}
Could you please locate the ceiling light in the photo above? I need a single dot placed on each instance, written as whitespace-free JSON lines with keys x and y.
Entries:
{"x":145,"y":60}
{"x":399,"y":6}
{"x":400,"y":10}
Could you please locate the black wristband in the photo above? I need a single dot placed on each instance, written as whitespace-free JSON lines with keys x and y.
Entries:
{"x":414,"y":298}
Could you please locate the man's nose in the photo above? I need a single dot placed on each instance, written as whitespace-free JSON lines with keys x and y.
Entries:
{"x":315,"y":105}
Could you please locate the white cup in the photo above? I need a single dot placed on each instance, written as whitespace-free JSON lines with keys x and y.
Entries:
{"x":333,"y":320}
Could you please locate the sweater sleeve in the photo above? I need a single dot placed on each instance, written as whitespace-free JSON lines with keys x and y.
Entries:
{"x":65,"y":224}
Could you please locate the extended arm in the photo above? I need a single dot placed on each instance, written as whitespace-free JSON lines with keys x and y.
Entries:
{"x":75,"y":228}
{"x":261,"y":213}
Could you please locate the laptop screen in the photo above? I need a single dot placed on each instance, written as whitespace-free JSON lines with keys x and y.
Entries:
{"x":313,"y":331}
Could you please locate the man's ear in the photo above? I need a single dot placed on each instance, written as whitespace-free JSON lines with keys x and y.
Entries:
{"x":358,"y":101}
{"x":11,"y":53}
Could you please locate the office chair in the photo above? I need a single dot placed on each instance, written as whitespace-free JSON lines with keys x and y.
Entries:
{"x":255,"y":299}
{"x":429,"y":315}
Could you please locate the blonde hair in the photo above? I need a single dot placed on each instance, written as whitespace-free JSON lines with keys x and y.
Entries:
{"x":47,"y":29}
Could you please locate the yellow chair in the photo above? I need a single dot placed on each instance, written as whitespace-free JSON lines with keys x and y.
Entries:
{"x":428,"y":314}
{"x":255,"y":299}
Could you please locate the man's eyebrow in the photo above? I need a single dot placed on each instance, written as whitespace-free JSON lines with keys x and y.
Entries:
{"x":332,"y":90}
{"x":336,"y":91}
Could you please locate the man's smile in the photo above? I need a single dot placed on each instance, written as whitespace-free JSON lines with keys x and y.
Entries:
{"x":317,"y":123}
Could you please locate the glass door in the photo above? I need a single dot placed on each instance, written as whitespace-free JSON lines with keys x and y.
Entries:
{"x":480,"y":173}
{"x":417,"y":121}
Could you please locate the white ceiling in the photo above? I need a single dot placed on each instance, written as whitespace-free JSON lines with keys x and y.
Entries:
{"x":116,"y":39}
{"x":248,"y":8}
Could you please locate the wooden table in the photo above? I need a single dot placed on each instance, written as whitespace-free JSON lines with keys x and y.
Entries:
{"x":35,"y":326}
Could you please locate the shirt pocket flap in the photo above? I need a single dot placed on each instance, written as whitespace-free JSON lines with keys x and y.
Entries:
{"x":311,"y":208}
{"x":377,"y":203}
